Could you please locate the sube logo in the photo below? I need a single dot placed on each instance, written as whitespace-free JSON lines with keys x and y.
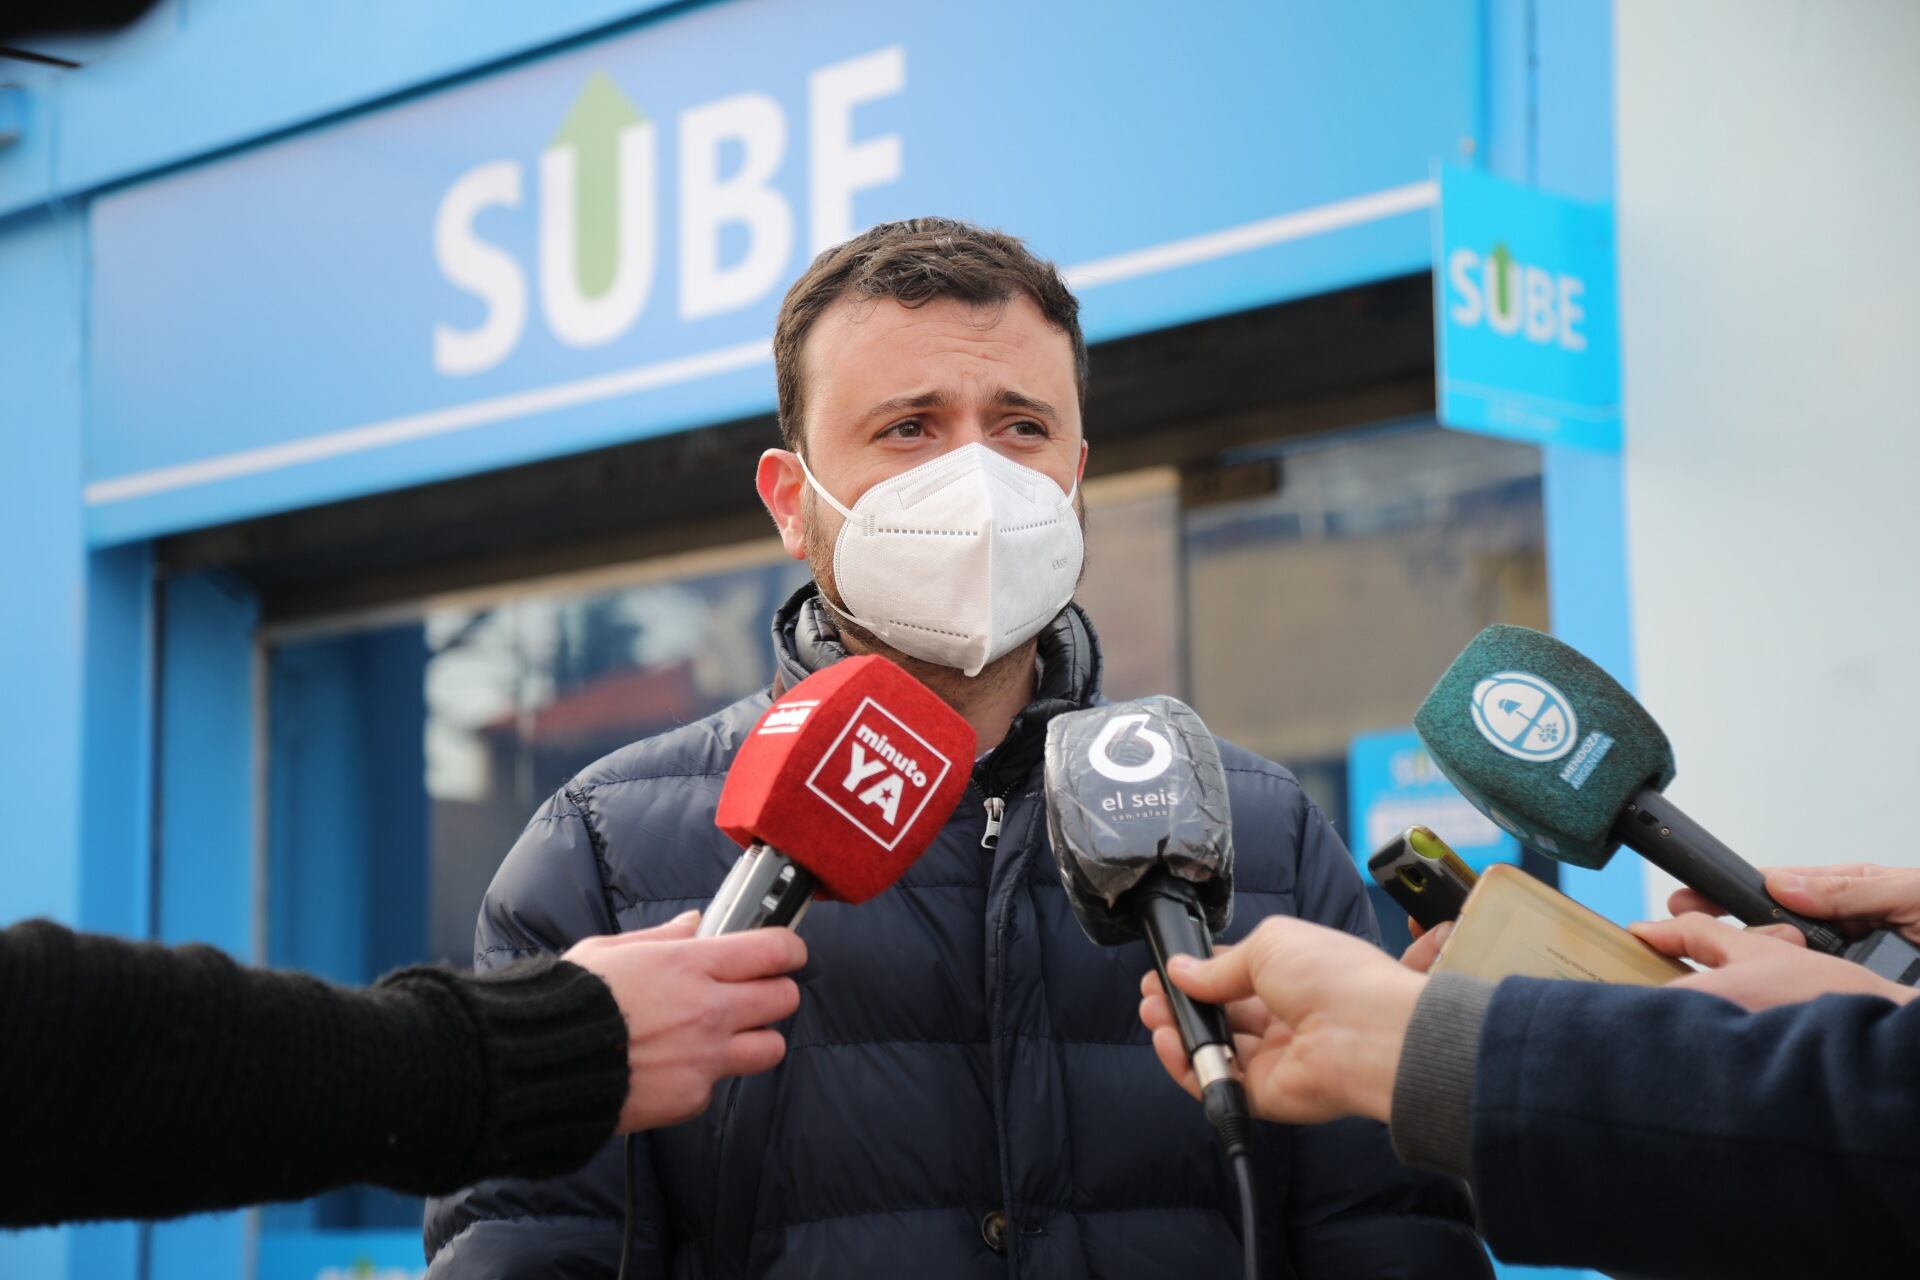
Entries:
{"x":878,"y":774}
{"x":601,"y":221}
{"x":1510,"y":298}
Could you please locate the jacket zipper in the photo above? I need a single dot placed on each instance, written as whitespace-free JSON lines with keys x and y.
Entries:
{"x":996,"y":811}
{"x":984,"y":774}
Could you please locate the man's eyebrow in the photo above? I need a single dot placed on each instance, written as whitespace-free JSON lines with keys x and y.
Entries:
{"x":1005,"y":398}
{"x":905,"y":404}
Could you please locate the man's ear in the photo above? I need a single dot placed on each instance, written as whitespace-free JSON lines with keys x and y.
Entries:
{"x":1080,"y":473}
{"x":783,"y":488}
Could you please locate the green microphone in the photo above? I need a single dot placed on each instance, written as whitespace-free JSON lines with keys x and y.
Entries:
{"x":1553,"y":750}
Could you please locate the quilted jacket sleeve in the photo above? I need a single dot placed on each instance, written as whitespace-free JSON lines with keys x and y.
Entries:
{"x":1774,"y":1143}
{"x":548,"y":894}
{"x":1355,"y":1210}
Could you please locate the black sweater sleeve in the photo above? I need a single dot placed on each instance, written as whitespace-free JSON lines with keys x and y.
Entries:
{"x":145,"y":1081}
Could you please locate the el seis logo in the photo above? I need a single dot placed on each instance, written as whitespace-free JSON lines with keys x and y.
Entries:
{"x":602,"y":228}
{"x":1115,"y":754}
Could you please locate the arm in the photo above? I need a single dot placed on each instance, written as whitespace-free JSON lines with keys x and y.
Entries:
{"x":208,"y":1085}
{"x":1709,"y":1118}
{"x":1353,"y":1209}
{"x":1584,"y":1109}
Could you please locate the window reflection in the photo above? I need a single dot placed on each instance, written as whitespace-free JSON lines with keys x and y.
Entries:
{"x":1131,"y":589}
{"x":1329,"y":607}
{"x":524,"y":693}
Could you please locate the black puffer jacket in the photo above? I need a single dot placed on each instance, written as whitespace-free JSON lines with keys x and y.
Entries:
{"x":963,"y":1057}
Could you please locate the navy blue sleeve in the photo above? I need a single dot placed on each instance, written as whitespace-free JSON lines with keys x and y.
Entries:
{"x":1673,"y":1133}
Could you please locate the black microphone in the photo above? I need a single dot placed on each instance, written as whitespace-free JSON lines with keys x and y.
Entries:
{"x":1551,"y":748}
{"x":1137,"y":815}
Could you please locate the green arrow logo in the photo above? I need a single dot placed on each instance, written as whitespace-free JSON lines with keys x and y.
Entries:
{"x":1501,"y":259}
{"x":592,"y":128}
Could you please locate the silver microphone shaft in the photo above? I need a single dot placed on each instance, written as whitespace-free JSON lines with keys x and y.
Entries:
{"x":765,"y":887}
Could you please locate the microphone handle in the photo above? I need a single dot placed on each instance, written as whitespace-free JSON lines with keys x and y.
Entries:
{"x":765,"y":889}
{"x":1169,"y":912}
{"x":1657,"y":829}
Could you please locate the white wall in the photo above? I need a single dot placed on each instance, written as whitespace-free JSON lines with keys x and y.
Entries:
{"x":1769,"y":214}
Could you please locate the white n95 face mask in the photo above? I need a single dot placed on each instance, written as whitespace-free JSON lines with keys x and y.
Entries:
{"x":959,"y":560}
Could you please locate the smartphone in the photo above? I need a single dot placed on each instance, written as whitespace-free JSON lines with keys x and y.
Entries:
{"x":1421,"y":873}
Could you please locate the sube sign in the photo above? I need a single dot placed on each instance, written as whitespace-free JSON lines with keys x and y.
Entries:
{"x":1527,"y":328}
{"x":1514,"y":298}
{"x":588,"y":247}
{"x":601,"y":224}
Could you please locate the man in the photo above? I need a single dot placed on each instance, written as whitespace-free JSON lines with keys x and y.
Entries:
{"x":966,"y":1090}
{"x":1756,"y":1119}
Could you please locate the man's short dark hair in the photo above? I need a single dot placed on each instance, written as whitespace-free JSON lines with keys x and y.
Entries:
{"x":914,"y":262}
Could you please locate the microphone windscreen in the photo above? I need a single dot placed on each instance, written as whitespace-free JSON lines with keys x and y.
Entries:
{"x":1543,"y":742}
{"x":851,"y":773}
{"x":1130,"y":786}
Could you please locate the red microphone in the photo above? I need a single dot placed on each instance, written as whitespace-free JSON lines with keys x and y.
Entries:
{"x":841,"y":785}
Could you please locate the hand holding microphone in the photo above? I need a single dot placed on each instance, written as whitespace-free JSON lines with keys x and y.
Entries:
{"x":1554,"y":751}
{"x":1760,"y":968}
{"x":697,"y":1011}
{"x":1858,"y":898}
{"x":839,"y":787}
{"x":1248,"y":1016}
{"x":1320,"y":1017}
{"x":837,"y":790}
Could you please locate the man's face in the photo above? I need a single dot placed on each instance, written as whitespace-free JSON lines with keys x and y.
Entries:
{"x":889,"y":387}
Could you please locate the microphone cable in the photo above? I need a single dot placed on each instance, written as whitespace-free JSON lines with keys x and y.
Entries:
{"x":1233,"y":1127}
{"x":1249,"y":1223}
{"x":1225,"y":1102}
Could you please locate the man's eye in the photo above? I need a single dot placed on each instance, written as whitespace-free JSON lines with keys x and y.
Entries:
{"x":1028,"y":427}
{"x":911,"y":429}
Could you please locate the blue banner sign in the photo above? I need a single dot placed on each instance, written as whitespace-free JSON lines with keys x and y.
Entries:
{"x":1526,"y":313}
{"x":591,"y":248}
{"x":1393,"y":784}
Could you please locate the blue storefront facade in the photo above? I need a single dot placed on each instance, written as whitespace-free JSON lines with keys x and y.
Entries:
{"x":264,"y":259}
